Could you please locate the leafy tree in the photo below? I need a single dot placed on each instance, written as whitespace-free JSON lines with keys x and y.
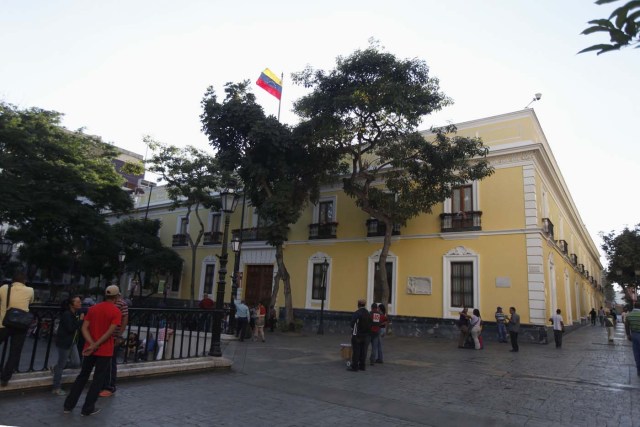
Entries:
{"x":191,"y":177}
{"x":622,"y":26}
{"x":368,"y":109}
{"x":280,"y":172}
{"x":55,"y":185}
{"x":623,"y":255}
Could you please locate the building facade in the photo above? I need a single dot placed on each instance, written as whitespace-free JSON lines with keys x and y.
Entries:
{"x":513,"y":239}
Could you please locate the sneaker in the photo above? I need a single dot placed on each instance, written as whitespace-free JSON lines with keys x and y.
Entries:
{"x":59,"y":392}
{"x":95,"y":411}
{"x":66,"y":411}
{"x":105,"y":393}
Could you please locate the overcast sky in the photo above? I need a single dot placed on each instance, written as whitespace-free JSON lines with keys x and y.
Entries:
{"x":124,"y":69}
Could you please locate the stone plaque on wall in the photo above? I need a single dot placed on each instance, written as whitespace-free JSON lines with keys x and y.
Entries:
{"x":419,"y":285}
{"x":503,"y":282}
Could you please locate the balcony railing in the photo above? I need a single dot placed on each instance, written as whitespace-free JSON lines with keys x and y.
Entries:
{"x":328,"y":230}
{"x":180,"y":240}
{"x":574,"y":259}
{"x":581,"y":268}
{"x":562,"y":244}
{"x":250,"y":234}
{"x":212,"y":238}
{"x":586,"y":274}
{"x":547,"y":227}
{"x":460,"y":221}
{"x":377,"y":228}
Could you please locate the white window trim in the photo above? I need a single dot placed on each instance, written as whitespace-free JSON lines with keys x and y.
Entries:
{"x":458,"y":254}
{"x":209,"y":260}
{"x":373,"y":259}
{"x":475,"y":194}
{"x":179,"y":222}
{"x":316,"y":209}
{"x":312,"y":303}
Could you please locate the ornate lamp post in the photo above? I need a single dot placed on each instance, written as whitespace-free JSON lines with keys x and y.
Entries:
{"x":325,"y":267}
{"x":6,"y":246}
{"x":229,"y":201}
{"x":236,"y":245}
{"x":121,"y":256}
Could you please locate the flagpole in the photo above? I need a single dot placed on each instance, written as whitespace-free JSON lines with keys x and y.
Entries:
{"x":280,"y":100}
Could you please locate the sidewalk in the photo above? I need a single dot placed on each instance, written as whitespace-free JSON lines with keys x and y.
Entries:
{"x":301,"y":380}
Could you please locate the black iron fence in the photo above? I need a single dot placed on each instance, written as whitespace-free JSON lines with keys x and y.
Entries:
{"x":152,"y":334}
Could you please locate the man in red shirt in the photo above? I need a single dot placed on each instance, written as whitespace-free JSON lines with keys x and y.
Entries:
{"x":206,"y":303}
{"x":98,"y":327}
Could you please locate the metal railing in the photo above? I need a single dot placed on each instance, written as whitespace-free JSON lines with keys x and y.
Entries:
{"x":327,"y":230}
{"x":187,"y":334}
{"x":547,"y":227}
{"x":460,"y":221}
{"x":378,"y":228}
{"x":212,"y":238}
{"x":250,"y":234}
{"x":179,"y":240}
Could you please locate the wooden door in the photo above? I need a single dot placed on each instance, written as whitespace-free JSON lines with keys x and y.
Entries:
{"x":258,"y":284}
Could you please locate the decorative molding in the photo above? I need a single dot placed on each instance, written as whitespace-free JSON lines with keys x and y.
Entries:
{"x":512,"y":158}
{"x":460,"y":251}
{"x":419,"y":285}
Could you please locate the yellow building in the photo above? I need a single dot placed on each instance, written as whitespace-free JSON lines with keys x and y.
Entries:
{"x":513,"y":239}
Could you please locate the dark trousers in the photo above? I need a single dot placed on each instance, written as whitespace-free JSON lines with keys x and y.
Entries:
{"x":241,"y":327}
{"x":102,"y":365}
{"x":359,"y":346}
{"x":557,"y":336}
{"x":16,"y":340}
{"x":112,"y":374}
{"x":514,"y":340}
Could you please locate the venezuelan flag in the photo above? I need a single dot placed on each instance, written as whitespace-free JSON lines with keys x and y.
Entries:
{"x":270,"y":82}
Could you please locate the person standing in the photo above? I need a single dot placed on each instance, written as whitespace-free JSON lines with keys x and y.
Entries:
{"x":206,"y":303}
{"x":98,"y":328}
{"x":261,"y":314}
{"x":376,"y":350}
{"x":601,"y":316}
{"x":463,"y":326}
{"x":20,"y":297}
{"x":273,"y":318}
{"x":632,"y":328}
{"x":610,"y":323}
{"x":558,"y":327}
{"x":242,"y":319}
{"x":361,"y":330}
{"x":66,"y":339}
{"x":109,"y":386}
{"x":476,"y":328}
{"x":502,"y":327}
{"x":514,"y":329}
{"x":384,"y":319}
{"x":593,"y":316}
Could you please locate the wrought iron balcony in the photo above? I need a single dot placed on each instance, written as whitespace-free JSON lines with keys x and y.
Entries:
{"x":250,"y":234}
{"x":574,"y":259}
{"x":327,"y":230}
{"x":212,"y":238}
{"x":460,"y":221}
{"x":180,"y":240}
{"x":377,"y":228}
{"x":581,"y":268}
{"x":562,"y":244}
{"x":547,"y":227}
{"x":586,"y":274}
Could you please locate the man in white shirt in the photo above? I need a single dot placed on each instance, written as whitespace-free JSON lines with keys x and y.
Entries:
{"x":558,"y":327}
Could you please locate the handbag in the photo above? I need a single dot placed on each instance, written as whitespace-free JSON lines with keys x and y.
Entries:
{"x":16,"y":318}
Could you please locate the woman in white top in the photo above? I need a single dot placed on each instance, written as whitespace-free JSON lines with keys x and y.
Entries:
{"x":475,"y":325}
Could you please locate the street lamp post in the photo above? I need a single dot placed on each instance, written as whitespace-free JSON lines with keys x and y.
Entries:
{"x":325,"y":267}
{"x":229,"y":201}
{"x":121,"y":256}
{"x":6,"y":246}
{"x":236,"y":245}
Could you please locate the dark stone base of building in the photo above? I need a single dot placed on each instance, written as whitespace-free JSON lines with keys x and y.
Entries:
{"x":337,"y":322}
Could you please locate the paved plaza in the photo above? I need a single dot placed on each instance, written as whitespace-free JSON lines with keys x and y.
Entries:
{"x":301,"y":380}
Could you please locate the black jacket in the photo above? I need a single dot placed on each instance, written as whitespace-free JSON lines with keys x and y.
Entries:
{"x":361,"y":322}
{"x":67,"y":329}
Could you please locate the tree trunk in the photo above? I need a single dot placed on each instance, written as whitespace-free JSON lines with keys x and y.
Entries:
{"x":286,"y":279}
{"x":380,"y":278}
{"x":194,"y":250}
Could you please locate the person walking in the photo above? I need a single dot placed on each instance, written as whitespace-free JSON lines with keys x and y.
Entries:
{"x":376,"y":350}
{"x":261,"y":314}
{"x":463,"y":326}
{"x":514,"y":328}
{"x":66,"y":339}
{"x":15,"y":295}
{"x":558,"y":327}
{"x":476,"y":328}
{"x":500,"y":323}
{"x":98,"y":329}
{"x":109,"y":386}
{"x":242,"y":319}
{"x":361,"y":330}
{"x":632,"y":328}
{"x":593,"y":316}
{"x":610,"y":323}
{"x":601,"y":316}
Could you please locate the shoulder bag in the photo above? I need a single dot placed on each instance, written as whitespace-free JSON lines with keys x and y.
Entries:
{"x":16,"y":318}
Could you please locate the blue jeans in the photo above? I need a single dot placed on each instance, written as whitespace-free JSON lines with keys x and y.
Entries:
{"x":70,"y":353}
{"x":376,"y":347}
{"x":635,"y":338}
{"x":502,"y":332}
